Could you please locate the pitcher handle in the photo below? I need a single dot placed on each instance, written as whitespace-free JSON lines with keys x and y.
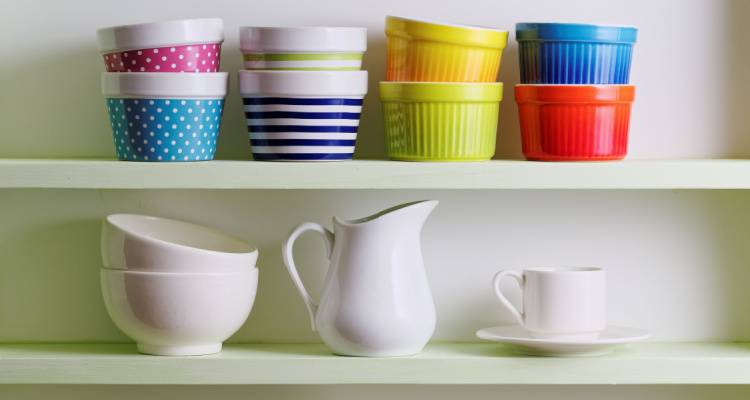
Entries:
{"x":286,"y":251}
{"x":519,"y":278}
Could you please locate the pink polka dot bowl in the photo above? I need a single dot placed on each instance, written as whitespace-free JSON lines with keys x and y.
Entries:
{"x":190,"y":45}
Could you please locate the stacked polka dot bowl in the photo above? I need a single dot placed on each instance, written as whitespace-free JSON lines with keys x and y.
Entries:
{"x":440,"y":99}
{"x":303,"y":91}
{"x":191,"y":45}
{"x":164,"y":94}
{"x":575,"y":99}
{"x":165,"y":117}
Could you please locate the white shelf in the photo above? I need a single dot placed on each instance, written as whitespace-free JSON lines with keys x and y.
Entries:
{"x":465,"y":364}
{"x":107,"y":174}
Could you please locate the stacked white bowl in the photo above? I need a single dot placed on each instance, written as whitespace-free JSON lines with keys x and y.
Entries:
{"x":176,"y":288}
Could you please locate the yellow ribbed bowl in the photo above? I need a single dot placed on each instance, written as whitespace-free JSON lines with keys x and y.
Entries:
{"x":440,"y":121}
{"x":419,"y":51}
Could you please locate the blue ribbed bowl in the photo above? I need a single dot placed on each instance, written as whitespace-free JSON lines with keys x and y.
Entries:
{"x":580,"y":54}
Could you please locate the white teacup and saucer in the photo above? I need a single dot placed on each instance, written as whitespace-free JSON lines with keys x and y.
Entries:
{"x":564,"y":314}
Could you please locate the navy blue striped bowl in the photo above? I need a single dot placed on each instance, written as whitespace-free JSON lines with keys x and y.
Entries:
{"x":575,"y":54}
{"x":303,"y":115}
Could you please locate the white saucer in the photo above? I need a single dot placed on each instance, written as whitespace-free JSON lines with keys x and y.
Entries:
{"x":612,"y":337}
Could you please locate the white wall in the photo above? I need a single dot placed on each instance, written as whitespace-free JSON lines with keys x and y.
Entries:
{"x":677,"y":262}
{"x":689,"y":67}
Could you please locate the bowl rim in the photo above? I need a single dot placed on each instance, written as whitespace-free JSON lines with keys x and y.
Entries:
{"x":255,"y":83}
{"x":168,"y":85}
{"x":437,"y":22}
{"x":156,"y":34}
{"x":558,"y":93}
{"x":252,"y":251}
{"x":303,"y":39}
{"x":456,"y":92}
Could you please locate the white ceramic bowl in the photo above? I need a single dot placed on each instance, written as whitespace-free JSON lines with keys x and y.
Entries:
{"x":179,"y":314}
{"x":152,"y":244}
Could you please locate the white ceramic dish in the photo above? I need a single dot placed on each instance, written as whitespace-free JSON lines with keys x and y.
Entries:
{"x":170,"y":85}
{"x":179,"y":314}
{"x":608,"y":340}
{"x":144,"y":243}
{"x":160,"y":34}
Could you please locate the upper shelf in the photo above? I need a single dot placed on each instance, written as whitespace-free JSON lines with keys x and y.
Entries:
{"x":361,"y":174}
{"x":464,"y":364}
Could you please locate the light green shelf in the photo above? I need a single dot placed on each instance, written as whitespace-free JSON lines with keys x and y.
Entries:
{"x":107,"y":174}
{"x":465,"y":364}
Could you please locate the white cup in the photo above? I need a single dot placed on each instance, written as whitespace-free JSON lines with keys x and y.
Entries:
{"x":559,"y":303}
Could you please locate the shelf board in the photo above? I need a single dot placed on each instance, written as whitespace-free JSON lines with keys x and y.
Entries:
{"x":364,"y":174}
{"x":289,"y":364}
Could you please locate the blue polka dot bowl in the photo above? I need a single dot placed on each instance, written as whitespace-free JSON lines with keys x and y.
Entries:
{"x":165,"y":117}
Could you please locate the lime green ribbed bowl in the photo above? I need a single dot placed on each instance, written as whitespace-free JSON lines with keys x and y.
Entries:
{"x":440,"y":121}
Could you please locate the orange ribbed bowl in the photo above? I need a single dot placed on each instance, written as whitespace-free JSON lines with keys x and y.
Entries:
{"x":420,"y":51}
{"x":575,"y":122}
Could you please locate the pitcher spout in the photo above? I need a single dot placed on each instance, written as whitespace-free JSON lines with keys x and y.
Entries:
{"x":410,"y":214}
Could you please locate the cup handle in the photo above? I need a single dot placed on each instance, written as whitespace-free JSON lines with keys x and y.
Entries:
{"x":519,"y":278}
{"x":286,"y":252}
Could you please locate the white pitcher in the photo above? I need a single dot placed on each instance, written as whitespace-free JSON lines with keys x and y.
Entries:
{"x":376,"y":301}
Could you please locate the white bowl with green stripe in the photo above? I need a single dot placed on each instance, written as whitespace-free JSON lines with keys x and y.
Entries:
{"x":303,"y":48}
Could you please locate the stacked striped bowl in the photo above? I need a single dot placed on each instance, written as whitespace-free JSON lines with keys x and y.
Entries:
{"x":302,"y":91}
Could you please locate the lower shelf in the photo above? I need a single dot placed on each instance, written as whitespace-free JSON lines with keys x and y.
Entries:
{"x":290,"y":364}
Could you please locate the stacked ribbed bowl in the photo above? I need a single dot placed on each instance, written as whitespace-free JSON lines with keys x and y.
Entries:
{"x":303,"y":91}
{"x":440,"y":98}
{"x":575,"y":99}
{"x":164,"y":94}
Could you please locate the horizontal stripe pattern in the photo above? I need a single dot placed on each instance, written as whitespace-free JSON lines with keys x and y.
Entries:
{"x":302,"y":129}
{"x":284,"y":151}
{"x":300,"y":121}
{"x":355,"y":109}
{"x":302,"y":157}
{"x":303,"y":101}
{"x":304,"y":61}
{"x":301,"y":115}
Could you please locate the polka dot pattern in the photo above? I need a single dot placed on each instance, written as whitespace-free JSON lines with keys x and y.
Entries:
{"x":165,"y":130}
{"x":189,"y":58}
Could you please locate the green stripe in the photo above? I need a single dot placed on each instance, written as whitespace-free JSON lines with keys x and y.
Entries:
{"x":307,"y":69}
{"x":302,"y":56}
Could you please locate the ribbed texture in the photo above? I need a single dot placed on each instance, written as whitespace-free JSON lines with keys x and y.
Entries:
{"x":421,"y":131}
{"x":574,"y":62}
{"x":575,"y":132}
{"x":425,"y":61}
